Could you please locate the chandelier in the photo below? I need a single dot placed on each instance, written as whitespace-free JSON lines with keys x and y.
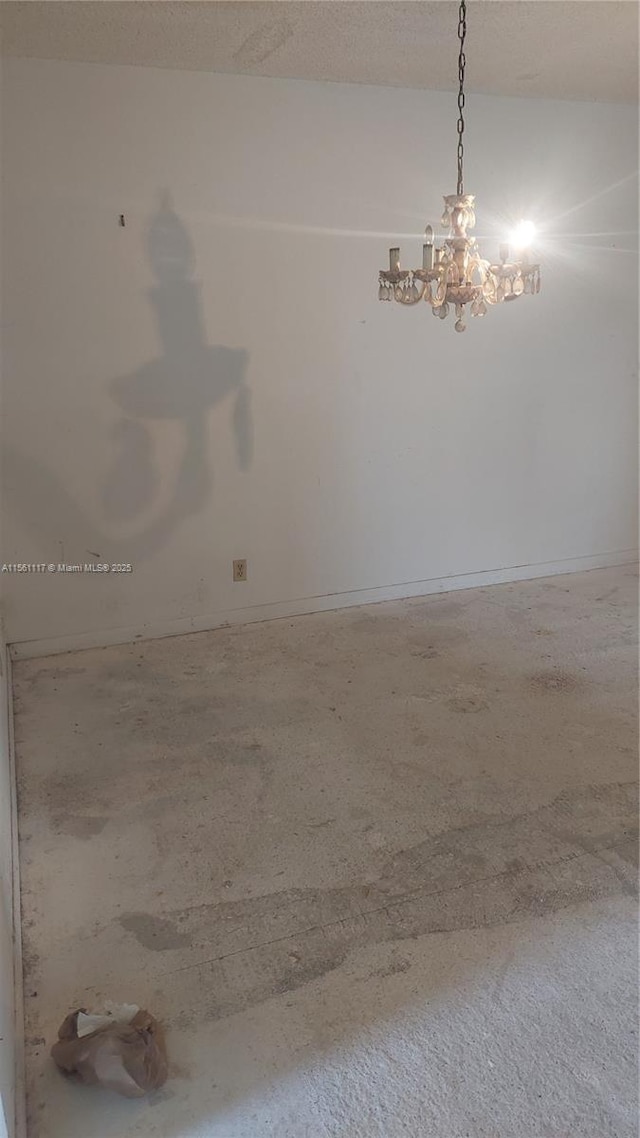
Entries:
{"x":455,"y":275}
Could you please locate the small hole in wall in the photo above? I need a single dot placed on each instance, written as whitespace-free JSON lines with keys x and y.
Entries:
{"x":121,"y":221}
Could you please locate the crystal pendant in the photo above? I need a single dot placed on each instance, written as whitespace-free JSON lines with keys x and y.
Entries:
{"x":443,"y":311}
{"x":460,"y":325}
{"x":382,"y":292}
{"x":489,"y":290}
{"x":441,"y":291}
{"x":398,"y":292}
{"x":527,"y":283}
{"x":436,"y":310}
{"x":445,"y":220}
{"x":482,"y":308}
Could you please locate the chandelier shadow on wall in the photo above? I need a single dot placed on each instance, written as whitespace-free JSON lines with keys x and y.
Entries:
{"x":455,"y":275}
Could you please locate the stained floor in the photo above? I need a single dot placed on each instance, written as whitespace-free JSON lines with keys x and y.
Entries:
{"x":375,"y":869}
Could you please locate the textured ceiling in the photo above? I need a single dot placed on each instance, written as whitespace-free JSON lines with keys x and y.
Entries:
{"x":569,"y":49}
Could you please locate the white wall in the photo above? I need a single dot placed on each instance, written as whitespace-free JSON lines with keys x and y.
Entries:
{"x":269,"y":407}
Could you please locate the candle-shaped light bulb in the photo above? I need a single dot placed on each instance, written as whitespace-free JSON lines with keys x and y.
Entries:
{"x":523,"y":234}
{"x":394,"y":260}
{"x":504,"y":253}
{"x":427,"y":249}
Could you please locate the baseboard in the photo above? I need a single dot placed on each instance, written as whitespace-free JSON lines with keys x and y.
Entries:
{"x":252,"y":614}
{"x":18,"y":988}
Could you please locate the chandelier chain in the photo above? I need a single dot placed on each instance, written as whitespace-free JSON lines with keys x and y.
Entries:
{"x":462,"y":31}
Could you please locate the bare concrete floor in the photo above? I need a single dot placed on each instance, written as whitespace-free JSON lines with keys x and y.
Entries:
{"x":374,"y":868}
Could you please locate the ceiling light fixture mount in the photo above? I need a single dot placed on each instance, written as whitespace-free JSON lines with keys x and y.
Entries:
{"x":455,"y":274}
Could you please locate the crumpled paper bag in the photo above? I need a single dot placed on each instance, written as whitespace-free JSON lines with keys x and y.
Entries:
{"x":122,"y":1050}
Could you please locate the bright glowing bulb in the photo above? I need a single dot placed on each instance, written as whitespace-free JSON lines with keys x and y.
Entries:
{"x":523,"y":235}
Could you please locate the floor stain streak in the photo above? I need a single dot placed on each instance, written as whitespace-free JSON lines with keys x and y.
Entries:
{"x":433,"y":887}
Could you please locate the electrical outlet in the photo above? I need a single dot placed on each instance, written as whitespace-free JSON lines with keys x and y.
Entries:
{"x":239,"y":570}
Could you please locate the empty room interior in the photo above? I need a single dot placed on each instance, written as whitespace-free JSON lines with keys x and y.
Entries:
{"x":318,"y":672}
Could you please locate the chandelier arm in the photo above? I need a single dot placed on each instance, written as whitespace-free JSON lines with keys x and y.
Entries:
{"x":462,"y":31}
